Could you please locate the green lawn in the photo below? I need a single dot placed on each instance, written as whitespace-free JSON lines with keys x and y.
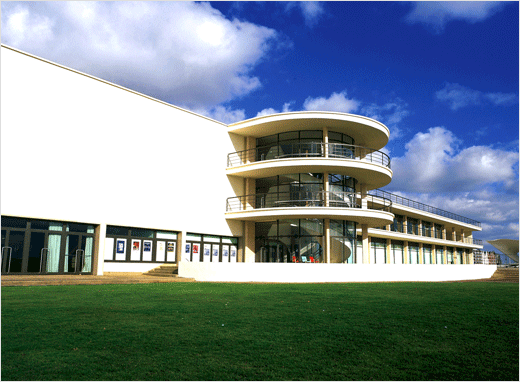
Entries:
{"x":219,"y":331}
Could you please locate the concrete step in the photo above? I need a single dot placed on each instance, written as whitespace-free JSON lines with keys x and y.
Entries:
{"x":165,"y":270}
{"x":506,"y":275}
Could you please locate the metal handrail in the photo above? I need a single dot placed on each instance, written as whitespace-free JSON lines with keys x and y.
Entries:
{"x":403,"y":228}
{"x":302,"y":198}
{"x":308,"y":150}
{"x":10,"y":249}
{"x":423,"y":207}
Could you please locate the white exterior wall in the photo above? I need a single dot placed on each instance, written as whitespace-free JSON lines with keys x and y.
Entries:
{"x":304,"y":273}
{"x":79,"y":149}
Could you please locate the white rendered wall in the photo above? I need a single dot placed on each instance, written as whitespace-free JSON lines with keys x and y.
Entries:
{"x":130,"y":267}
{"x":302,"y":273}
{"x":75,"y":148}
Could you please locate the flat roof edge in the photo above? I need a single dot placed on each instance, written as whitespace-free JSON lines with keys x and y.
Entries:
{"x":109,"y":83}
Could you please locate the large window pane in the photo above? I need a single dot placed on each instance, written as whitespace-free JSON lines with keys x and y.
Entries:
{"x":13,"y":222}
{"x":120,"y":231}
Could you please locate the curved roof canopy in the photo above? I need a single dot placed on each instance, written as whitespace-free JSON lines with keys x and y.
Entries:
{"x":365,"y":131}
{"x":508,"y":247}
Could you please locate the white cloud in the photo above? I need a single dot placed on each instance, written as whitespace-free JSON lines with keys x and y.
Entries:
{"x":459,"y":96}
{"x":391,"y":114}
{"x":285,"y":109}
{"x":436,"y":14}
{"x":336,"y":102}
{"x":267,"y":111}
{"x":180,"y":52}
{"x":312,"y":11}
{"x":434,"y":163}
{"x":222,"y":114}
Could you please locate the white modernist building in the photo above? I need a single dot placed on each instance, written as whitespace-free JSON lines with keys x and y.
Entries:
{"x":98,"y":178}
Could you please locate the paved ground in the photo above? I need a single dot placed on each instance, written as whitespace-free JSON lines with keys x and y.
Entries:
{"x":121,"y":278}
{"x":108,"y":278}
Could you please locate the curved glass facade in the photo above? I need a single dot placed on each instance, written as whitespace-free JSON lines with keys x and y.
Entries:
{"x":303,"y":241}
{"x":306,"y":143}
{"x":304,"y":189}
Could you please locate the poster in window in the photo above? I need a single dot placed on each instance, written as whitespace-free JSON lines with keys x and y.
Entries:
{"x":225,"y":253}
{"x":170,"y":252}
{"x":147,"y":250}
{"x":233,"y":254}
{"x":215,"y":253}
{"x":196,"y":252}
{"x":187,"y":252}
{"x":121,"y":249}
{"x":135,"y":253}
{"x":207,"y":249}
{"x":160,"y":251}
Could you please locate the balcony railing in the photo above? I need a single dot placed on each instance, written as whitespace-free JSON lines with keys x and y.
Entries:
{"x":423,"y":207}
{"x":305,"y":199}
{"x":308,"y":150}
{"x":434,"y":234}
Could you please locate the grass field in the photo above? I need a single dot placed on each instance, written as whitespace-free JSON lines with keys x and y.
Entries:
{"x":218,"y":331}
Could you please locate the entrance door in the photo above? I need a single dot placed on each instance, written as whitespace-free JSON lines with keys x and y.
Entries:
{"x":12,"y":251}
{"x":78,"y":254}
{"x":37,"y":252}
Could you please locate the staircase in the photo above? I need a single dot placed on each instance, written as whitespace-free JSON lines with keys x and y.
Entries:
{"x":505,"y":275}
{"x":165,"y":270}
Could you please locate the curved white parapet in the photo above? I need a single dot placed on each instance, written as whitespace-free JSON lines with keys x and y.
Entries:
{"x":373,"y":218}
{"x":372,"y":174}
{"x":365,"y":131}
{"x":320,"y":273}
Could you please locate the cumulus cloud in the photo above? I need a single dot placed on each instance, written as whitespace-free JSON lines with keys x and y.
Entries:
{"x":433,"y":162}
{"x":222,"y":114}
{"x":436,"y":14}
{"x":180,"y":52}
{"x":391,"y":114}
{"x":285,"y":109}
{"x":458,"y":96}
{"x":336,"y":102}
{"x":312,"y":11}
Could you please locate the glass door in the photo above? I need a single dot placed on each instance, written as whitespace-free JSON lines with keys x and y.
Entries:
{"x":78,"y":254}
{"x":12,"y":251}
{"x":37,"y":252}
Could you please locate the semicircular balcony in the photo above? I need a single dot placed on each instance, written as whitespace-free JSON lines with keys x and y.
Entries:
{"x":368,"y":166}
{"x":371,"y":210}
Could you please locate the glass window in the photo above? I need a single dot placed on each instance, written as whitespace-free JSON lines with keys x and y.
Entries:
{"x":13,"y":222}
{"x":193,"y":237}
{"x":229,"y":240}
{"x":166,"y":235}
{"x":335,"y":137}
{"x":311,"y":227}
{"x":289,"y":227}
{"x":211,"y":239}
{"x":311,"y":178}
{"x":266,"y":141}
{"x":142,"y":233}
{"x":120,"y":231}
{"x":311,"y":134}
{"x":291,"y":135}
{"x":78,"y":227}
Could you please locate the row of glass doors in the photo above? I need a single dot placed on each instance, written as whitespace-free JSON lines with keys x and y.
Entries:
{"x":25,"y":251}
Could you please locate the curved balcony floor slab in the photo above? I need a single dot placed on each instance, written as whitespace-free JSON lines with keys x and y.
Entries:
{"x":364,"y":130}
{"x":373,"y":218}
{"x":369,"y":173}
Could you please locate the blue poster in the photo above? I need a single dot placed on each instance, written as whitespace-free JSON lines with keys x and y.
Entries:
{"x":147,"y":246}
{"x":120,"y":248}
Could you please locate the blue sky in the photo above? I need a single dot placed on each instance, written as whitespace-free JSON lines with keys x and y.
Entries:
{"x":442,"y":76}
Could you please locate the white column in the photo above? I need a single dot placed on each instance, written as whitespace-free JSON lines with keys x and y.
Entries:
{"x":366,"y":244}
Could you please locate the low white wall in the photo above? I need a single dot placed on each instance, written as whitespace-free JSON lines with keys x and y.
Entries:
{"x":129,"y":267}
{"x":301,"y":273}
